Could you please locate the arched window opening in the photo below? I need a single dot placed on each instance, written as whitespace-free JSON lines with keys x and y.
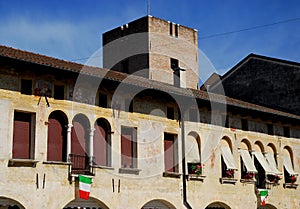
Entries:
{"x":79,"y":145}
{"x":193,"y":154}
{"x":290,"y":176}
{"x":57,"y":137}
{"x":102,"y":143}
{"x":228,"y":165}
{"x":248,"y":170}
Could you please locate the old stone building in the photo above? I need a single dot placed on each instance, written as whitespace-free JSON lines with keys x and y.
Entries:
{"x":265,"y":81}
{"x":146,"y":142}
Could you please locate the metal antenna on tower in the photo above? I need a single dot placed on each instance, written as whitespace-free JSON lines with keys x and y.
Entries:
{"x":148,"y":8}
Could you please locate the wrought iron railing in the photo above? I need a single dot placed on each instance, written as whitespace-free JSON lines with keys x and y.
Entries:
{"x":80,"y":164}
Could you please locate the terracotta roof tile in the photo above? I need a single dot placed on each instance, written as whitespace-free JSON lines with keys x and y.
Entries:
{"x":132,"y":80}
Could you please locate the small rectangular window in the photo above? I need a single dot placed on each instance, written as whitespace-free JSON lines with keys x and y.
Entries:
{"x":174,"y":63}
{"x":171,"y":29}
{"x":128,"y":147}
{"x":26,"y":86}
{"x":176,"y":30}
{"x":244,"y":124}
{"x":170,"y":153}
{"x":23,"y":135}
{"x":286,"y":131}
{"x":102,"y":100}
{"x":270,"y":129}
{"x":170,"y":113}
{"x":59,"y":92}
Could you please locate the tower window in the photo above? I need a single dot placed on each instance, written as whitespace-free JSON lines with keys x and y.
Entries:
{"x":176,"y":30}
{"x":171,"y":29}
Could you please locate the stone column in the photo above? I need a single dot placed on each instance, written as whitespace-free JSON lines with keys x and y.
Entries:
{"x":69,"y":142}
{"x":91,"y":146}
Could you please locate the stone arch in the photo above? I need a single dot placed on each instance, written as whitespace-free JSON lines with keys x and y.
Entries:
{"x":217,"y":205}
{"x":8,"y":203}
{"x":57,"y":136}
{"x":82,"y":204}
{"x":245,"y":144}
{"x":158,"y":203}
{"x":228,"y":140}
{"x":271,"y":148}
{"x":258,"y":146}
{"x":102,"y":142}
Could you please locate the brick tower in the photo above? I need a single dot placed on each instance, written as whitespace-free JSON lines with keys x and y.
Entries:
{"x":154,"y":48}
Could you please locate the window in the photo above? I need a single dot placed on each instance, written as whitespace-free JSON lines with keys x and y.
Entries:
{"x":26,"y":86}
{"x":227,"y":161}
{"x":170,"y":113}
{"x":176,"y":30}
{"x":270,"y":129}
{"x":290,"y":176}
{"x":248,"y":169}
{"x":192,"y":151}
{"x":170,"y":153}
{"x":102,"y":143}
{"x":171,"y":29}
{"x":128,"y":147}
{"x":244,"y":124}
{"x":59,"y":92}
{"x":57,"y":137}
{"x":23,"y":135}
{"x":176,"y":71}
{"x":102,"y":100}
{"x":286,"y":131}
{"x":174,"y":63}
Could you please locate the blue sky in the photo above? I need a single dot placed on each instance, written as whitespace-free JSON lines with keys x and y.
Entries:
{"x":71,"y":29}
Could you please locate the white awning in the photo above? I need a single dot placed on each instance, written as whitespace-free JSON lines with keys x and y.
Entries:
{"x":248,"y":161}
{"x":262,"y":160}
{"x":272,"y":163}
{"x":288,"y":165}
{"x":228,"y":158}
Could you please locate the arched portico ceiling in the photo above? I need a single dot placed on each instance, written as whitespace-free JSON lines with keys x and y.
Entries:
{"x":6,"y":202}
{"x":161,"y":204}
{"x":217,"y":205}
{"x":81,"y":203}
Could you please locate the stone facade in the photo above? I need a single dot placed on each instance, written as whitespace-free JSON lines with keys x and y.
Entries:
{"x":265,"y":81}
{"x":40,"y":182}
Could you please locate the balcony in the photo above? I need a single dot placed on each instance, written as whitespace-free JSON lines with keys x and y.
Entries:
{"x":80,"y":164}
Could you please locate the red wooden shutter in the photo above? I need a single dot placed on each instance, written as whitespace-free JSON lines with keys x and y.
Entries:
{"x":21,"y":136}
{"x":169,"y":153}
{"x":100,"y":145}
{"x":78,"y":140}
{"x":55,"y":141}
{"x":126,"y":150}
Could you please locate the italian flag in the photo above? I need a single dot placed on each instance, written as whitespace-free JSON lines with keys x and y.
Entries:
{"x":84,"y":187}
{"x":263,"y":193}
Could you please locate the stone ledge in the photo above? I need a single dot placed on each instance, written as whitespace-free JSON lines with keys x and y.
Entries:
{"x":194,"y":177}
{"x":290,"y":185}
{"x":56,"y":163}
{"x":22,"y":163}
{"x":103,"y":167}
{"x":134,"y":171}
{"x":172,"y":174}
{"x":228,"y":181}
